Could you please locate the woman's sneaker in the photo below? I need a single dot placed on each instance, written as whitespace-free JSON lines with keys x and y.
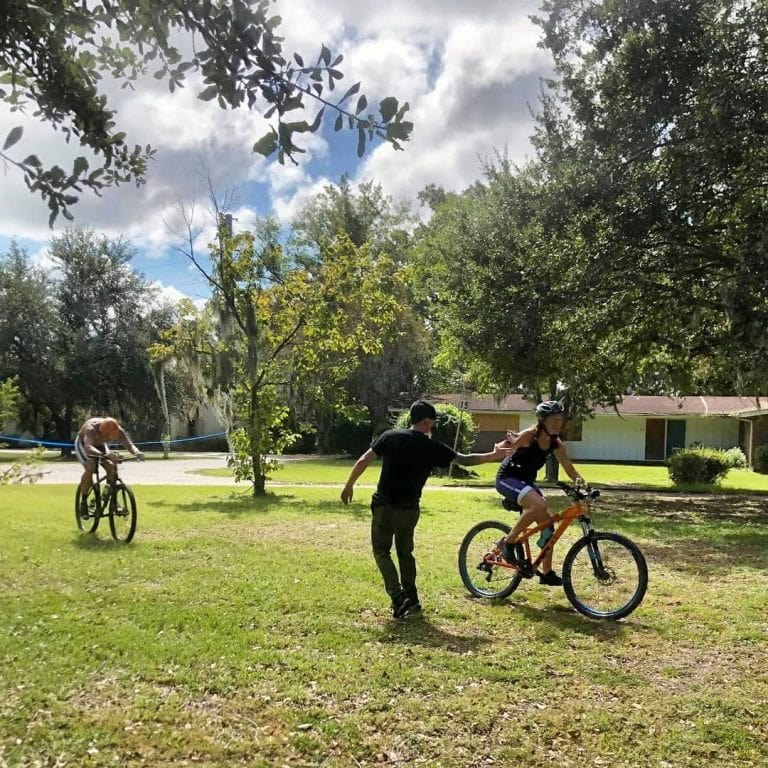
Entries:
{"x":514,"y":554}
{"x":551,"y":579}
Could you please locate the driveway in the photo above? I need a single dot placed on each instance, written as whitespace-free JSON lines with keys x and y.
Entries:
{"x":154,"y":472}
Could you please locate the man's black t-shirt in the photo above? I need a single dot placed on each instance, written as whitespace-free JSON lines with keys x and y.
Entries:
{"x":408,"y":458}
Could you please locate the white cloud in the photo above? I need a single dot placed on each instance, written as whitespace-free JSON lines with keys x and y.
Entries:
{"x":467,"y":69}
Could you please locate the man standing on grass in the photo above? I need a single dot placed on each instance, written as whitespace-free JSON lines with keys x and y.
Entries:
{"x":409,"y":455}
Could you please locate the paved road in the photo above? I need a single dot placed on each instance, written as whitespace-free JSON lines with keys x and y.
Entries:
{"x":172,"y":472}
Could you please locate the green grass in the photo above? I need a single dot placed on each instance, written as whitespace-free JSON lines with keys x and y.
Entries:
{"x":235,"y":632}
{"x":336,"y":471}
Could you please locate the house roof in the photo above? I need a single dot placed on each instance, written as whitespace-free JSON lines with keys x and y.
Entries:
{"x":631,"y":405}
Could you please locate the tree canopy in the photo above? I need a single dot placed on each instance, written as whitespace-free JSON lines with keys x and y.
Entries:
{"x":54,"y":55}
{"x":630,"y":253}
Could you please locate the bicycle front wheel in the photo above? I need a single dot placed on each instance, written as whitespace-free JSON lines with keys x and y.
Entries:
{"x":122,"y":513}
{"x":481,"y":576}
{"x":89,"y":521}
{"x":605,"y":576}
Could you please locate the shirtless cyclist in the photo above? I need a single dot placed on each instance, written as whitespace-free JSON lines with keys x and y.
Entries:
{"x":93,"y":438}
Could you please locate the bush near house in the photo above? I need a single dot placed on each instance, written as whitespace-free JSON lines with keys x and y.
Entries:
{"x":736,"y":458}
{"x":761,"y":460}
{"x":689,"y":466}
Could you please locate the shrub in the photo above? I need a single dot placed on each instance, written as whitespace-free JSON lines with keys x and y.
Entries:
{"x":350,"y":432}
{"x":761,"y":459}
{"x":690,"y":466}
{"x":736,"y":458}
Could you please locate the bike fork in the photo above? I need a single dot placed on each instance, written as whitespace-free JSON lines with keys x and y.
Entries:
{"x":592,"y":548}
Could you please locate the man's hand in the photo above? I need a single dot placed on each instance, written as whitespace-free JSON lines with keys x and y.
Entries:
{"x":346,"y":494}
{"x":138,"y":455}
{"x":503,"y":449}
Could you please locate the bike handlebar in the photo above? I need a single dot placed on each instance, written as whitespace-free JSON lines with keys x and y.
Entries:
{"x":579,"y":494}
{"x":116,"y":457}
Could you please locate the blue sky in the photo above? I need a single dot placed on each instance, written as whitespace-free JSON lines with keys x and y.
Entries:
{"x":469,"y":71}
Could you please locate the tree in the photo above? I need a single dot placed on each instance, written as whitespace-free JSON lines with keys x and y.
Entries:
{"x":478,"y":266}
{"x":654,"y":132}
{"x":368,"y":217}
{"x":77,"y":337}
{"x":275,"y":323}
{"x":53,"y":55}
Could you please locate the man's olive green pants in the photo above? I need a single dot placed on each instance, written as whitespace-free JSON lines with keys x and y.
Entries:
{"x":388,"y":523}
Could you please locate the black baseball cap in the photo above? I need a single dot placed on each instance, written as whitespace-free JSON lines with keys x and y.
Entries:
{"x":422,"y":409}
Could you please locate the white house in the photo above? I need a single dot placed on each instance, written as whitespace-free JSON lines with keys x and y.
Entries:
{"x":641,"y":429}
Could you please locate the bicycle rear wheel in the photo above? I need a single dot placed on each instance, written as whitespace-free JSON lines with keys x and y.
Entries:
{"x":90,"y":523}
{"x":478,"y":572}
{"x":605,"y":576}
{"x":122,"y":513}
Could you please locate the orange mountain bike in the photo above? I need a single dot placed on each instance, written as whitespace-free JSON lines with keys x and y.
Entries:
{"x":605,"y":575}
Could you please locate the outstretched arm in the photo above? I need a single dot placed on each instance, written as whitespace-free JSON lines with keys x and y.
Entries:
{"x":360,"y":466}
{"x":500,"y":451}
{"x":126,"y":441}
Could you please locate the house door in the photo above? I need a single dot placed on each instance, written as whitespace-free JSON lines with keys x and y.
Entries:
{"x":655,"y":433}
{"x":675,"y":435}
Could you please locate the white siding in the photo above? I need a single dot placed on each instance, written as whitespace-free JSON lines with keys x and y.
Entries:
{"x":712,"y":432}
{"x":610,"y":438}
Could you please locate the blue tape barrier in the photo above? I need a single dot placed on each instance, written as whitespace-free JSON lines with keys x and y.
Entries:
{"x":51,"y":444}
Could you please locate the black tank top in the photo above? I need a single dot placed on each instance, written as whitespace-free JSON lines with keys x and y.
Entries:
{"x":525,"y":462}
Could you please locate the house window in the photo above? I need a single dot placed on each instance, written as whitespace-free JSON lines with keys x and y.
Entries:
{"x":572,"y":431}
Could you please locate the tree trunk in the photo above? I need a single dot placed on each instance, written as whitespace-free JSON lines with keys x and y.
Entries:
{"x":552,"y":468}
{"x":255,"y":436}
{"x":64,"y":430}
{"x":553,"y":465}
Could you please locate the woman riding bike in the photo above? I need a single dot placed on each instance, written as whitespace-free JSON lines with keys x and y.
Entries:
{"x":516,"y":478}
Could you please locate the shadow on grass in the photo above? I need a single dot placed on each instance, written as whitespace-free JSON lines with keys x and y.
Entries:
{"x":690,"y":508}
{"x":93,"y":542}
{"x":233,"y":504}
{"x":241,"y":504}
{"x":698,"y":535}
{"x":568,"y":619}
{"x":420,"y":630}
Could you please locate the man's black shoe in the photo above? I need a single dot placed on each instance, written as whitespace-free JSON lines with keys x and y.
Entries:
{"x":551,"y":579}
{"x":401,"y":607}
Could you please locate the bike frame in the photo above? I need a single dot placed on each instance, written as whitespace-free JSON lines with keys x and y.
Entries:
{"x":578,"y":510}
{"x":103,"y":480}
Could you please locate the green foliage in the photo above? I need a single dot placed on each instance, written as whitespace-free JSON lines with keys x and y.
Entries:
{"x":761,"y":459}
{"x":690,"y":466}
{"x":350,"y":432}
{"x":652,"y":137}
{"x":449,"y":417}
{"x":275,"y":327}
{"x":77,"y":338}
{"x":26,"y":469}
{"x":370,"y":219}
{"x":53,"y":56}
{"x":9,"y":400}
{"x":736,"y":458}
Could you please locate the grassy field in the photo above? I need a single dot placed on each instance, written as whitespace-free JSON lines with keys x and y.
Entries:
{"x":336,"y":471}
{"x":242,"y":633}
